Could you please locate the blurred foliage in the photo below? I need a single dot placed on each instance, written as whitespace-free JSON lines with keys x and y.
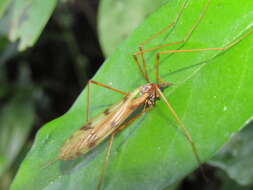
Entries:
{"x":236,"y":157}
{"x":27,"y":20}
{"x":16,"y":117}
{"x":41,"y":83}
{"x":3,"y":5}
{"x":114,"y":25}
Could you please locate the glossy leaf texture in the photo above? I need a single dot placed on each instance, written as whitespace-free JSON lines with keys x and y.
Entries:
{"x":212,"y":93}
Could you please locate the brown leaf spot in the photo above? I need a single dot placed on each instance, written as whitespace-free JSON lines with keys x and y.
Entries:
{"x":78,"y":154}
{"x":92,"y":143}
{"x":86,"y":127}
{"x":107,"y":111}
{"x":71,"y":137}
{"x":113,"y":124}
{"x":125,"y":98}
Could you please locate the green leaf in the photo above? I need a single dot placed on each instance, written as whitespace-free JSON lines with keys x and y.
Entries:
{"x":16,"y":119}
{"x":230,"y":184}
{"x":212,"y":93}
{"x":236,"y":157}
{"x":28,"y":20}
{"x":226,"y":183}
{"x":3,"y":5}
{"x":114,"y":25}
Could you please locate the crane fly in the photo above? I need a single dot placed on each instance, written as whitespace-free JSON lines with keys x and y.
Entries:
{"x":97,"y":129}
{"x":120,"y":115}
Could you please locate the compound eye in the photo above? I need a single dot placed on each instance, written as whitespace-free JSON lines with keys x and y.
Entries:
{"x":145,"y":89}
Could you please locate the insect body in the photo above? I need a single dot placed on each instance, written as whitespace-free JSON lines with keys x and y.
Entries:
{"x":120,"y":115}
{"x":97,"y":129}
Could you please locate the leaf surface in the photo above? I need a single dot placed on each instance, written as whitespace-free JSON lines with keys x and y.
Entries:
{"x":114,"y":25}
{"x":212,"y":93}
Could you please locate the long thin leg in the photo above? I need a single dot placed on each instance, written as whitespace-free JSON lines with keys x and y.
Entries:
{"x":105,"y":164}
{"x":186,"y":38}
{"x":109,"y":148}
{"x":183,"y":41}
{"x":184,"y":129}
{"x":144,"y":65}
{"x":108,"y":87}
{"x":143,"y":69}
{"x":102,"y":85}
{"x":136,"y":61}
{"x":198,"y":50}
{"x":170,"y":26}
{"x":157,"y":64}
{"x":145,"y":109}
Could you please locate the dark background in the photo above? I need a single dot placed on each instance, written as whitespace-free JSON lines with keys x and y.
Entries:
{"x":66,"y":55}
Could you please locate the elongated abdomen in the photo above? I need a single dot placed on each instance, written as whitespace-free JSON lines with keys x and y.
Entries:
{"x":95,"y":131}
